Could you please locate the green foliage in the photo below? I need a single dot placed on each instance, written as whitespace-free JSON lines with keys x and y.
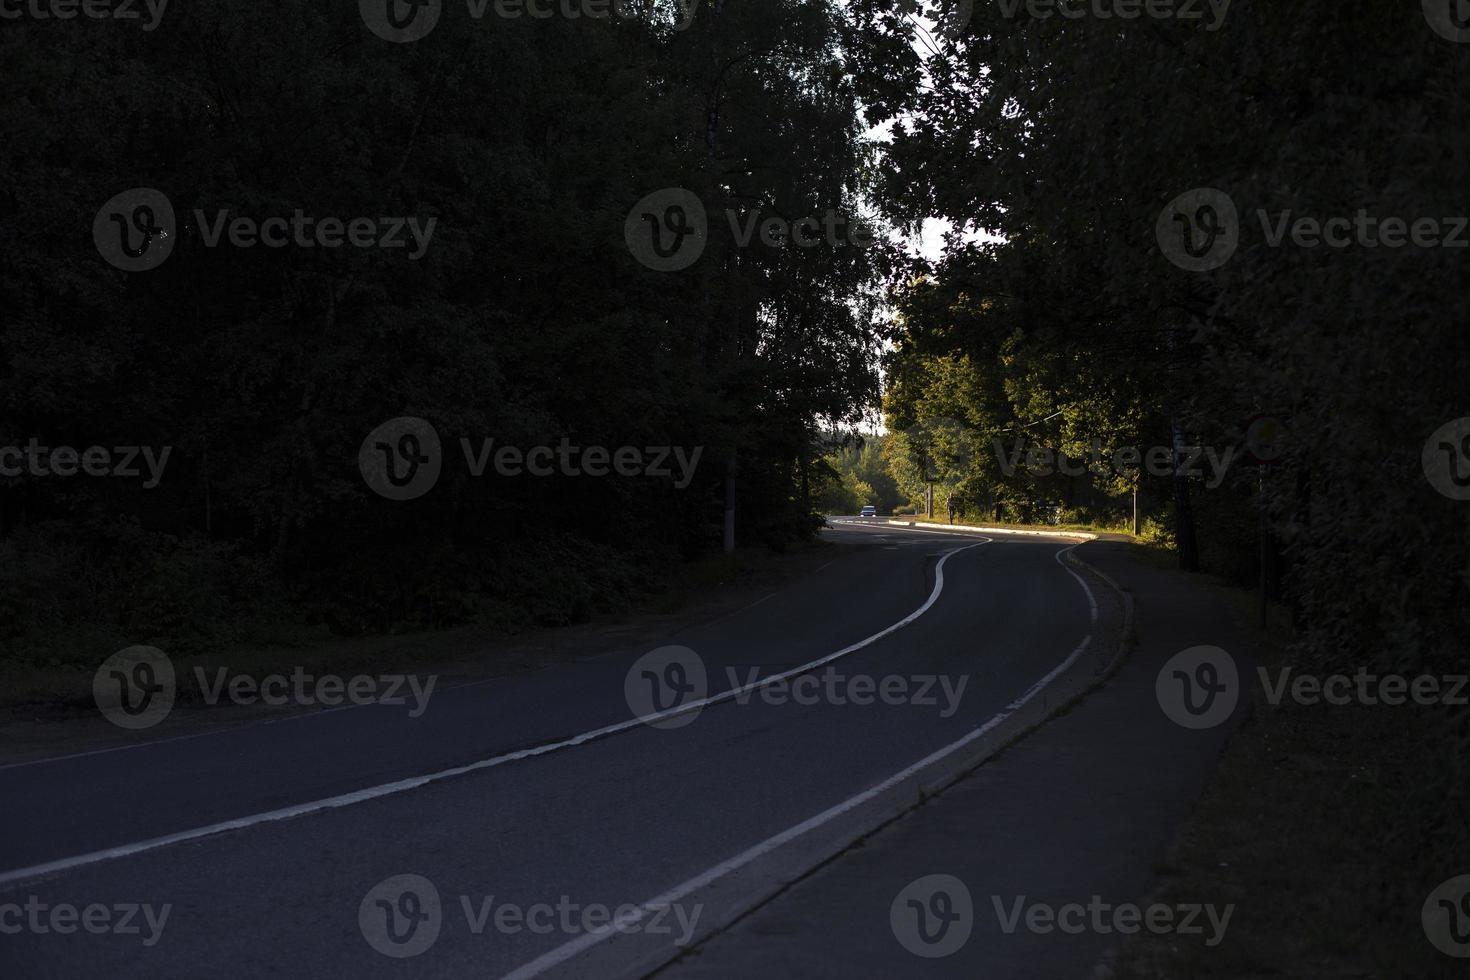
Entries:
{"x":526,"y":321}
{"x":860,"y":476}
{"x":1066,"y":139}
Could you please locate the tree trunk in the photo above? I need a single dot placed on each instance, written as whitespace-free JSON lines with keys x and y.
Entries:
{"x":730,"y":503}
{"x":1183,"y":511}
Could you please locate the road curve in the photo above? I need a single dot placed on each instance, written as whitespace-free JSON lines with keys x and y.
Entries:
{"x":266,"y":842}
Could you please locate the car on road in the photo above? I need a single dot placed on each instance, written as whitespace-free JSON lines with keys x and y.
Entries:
{"x":868,"y":511}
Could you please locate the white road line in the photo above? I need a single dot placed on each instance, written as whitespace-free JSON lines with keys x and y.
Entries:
{"x":415,"y":782}
{"x":886,"y":529}
{"x":256,"y":722}
{"x":582,"y":943}
{"x":1091,"y":599}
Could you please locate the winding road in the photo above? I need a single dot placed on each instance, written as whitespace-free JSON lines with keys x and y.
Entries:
{"x":485,"y":836}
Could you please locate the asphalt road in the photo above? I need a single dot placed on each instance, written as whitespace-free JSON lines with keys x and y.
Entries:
{"x":525,"y":803}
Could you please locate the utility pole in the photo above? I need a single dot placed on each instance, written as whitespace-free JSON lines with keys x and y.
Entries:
{"x":1183,"y":512}
{"x":929,"y":477}
{"x":731,"y":351}
{"x":1136,"y":528}
{"x":1265,"y":545}
{"x":730,"y":503}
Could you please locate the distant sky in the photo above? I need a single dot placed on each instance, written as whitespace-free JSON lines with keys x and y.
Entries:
{"x":929,"y":242}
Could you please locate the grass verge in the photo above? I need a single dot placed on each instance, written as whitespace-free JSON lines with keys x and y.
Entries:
{"x":1292,"y":831}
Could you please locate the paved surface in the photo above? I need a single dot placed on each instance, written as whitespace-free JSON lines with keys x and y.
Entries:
{"x":1083,"y":807}
{"x":614,"y":821}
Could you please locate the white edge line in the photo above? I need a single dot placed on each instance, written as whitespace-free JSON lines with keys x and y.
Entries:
{"x":415,"y":782}
{"x":1091,"y":599}
{"x":587,"y":940}
{"x":960,"y":530}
